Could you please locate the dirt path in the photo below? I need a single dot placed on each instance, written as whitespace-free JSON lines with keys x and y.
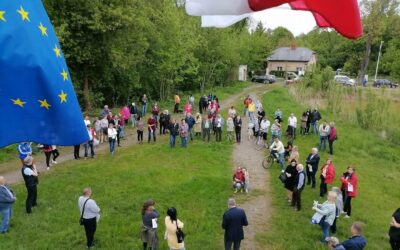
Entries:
{"x":257,"y":204}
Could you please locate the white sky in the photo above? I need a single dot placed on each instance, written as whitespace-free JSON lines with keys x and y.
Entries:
{"x":296,"y":21}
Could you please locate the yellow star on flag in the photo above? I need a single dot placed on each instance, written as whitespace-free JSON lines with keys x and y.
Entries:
{"x":44,"y":104}
{"x":57,"y":51}
{"x":64,"y":75}
{"x":18,"y":102}
{"x":24,"y":14}
{"x":43,"y":29}
{"x":63,"y":96}
{"x":2,"y":15}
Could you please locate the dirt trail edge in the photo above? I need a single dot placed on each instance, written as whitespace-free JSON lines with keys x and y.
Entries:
{"x":257,"y":204}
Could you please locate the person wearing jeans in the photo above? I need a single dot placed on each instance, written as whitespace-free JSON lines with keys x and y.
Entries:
{"x":173,"y":132}
{"x":90,"y":213}
{"x":89,"y":144}
{"x":315,"y":117}
{"x":152,"y":123}
{"x":7,"y":199}
{"x":112,"y":136}
{"x":183,"y":132}
{"x":324,"y":130}
{"x":328,"y":211}
{"x":278,"y":147}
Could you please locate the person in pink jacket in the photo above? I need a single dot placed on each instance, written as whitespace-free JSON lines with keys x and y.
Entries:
{"x":327,"y":177}
{"x":349,"y":188}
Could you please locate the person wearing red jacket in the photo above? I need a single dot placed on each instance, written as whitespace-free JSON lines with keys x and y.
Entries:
{"x":332,"y":137}
{"x":327,"y":177}
{"x":238,"y":180}
{"x":349,"y":188}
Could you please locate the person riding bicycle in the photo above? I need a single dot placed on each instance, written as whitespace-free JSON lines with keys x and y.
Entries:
{"x":278,"y":150}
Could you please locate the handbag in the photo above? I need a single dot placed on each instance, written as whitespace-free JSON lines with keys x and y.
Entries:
{"x":180,"y":235}
{"x":283,"y":177}
{"x":83,"y":210}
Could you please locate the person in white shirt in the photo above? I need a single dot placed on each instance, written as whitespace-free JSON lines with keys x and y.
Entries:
{"x":292,"y":125}
{"x":104,"y":128}
{"x":264,"y":128}
{"x":87,"y":120}
{"x":219,"y":125}
{"x":278,"y":148}
{"x":112,"y":136}
{"x":90,"y":214}
{"x":324,"y":130}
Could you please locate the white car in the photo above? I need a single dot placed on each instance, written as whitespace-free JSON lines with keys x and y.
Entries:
{"x":345,"y":80}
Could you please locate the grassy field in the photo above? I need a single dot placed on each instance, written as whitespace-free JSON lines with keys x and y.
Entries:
{"x":194,"y":180}
{"x":376,"y":161}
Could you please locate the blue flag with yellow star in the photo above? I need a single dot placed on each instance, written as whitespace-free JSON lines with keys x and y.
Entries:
{"x":37,"y":98}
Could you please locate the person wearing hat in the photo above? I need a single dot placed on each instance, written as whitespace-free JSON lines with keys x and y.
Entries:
{"x":7,"y":198}
{"x":30,"y":174}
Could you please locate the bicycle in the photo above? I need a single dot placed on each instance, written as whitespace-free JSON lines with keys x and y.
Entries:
{"x":259,"y":142}
{"x":269,"y":160}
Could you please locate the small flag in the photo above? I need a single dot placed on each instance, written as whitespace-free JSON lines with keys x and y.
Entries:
{"x":342,"y":15}
{"x":37,"y":98}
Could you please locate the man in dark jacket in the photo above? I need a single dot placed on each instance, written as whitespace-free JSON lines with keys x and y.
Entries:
{"x":30,"y":174}
{"x":173,"y":128}
{"x":298,"y":188}
{"x":7,"y":198}
{"x":233,"y":221}
{"x":312,"y":162}
{"x":190,"y":122}
{"x":315,"y":117}
{"x":357,"y":241}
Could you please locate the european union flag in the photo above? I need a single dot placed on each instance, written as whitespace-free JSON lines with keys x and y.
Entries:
{"x":37,"y":98}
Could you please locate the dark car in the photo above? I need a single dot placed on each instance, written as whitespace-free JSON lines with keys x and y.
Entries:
{"x":264,"y":79}
{"x":384,"y":83}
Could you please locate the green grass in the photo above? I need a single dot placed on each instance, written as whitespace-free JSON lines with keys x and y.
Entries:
{"x":194,"y":180}
{"x":376,"y":161}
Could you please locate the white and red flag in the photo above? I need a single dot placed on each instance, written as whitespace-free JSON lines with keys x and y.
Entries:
{"x":342,"y":15}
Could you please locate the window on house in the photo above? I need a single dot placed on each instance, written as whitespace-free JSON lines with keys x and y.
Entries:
{"x":279,"y":68}
{"x":299,"y":69}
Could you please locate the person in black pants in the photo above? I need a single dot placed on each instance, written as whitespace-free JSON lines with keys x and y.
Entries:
{"x":55,"y":153}
{"x":30,"y":175}
{"x":394,"y":231}
{"x":90,"y":213}
{"x":298,"y":187}
{"x":238,"y":128}
{"x":76,"y":151}
{"x":232,"y":222}
{"x":312,"y":162}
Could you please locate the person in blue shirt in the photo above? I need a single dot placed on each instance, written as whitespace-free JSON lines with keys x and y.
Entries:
{"x":24,"y":150}
{"x":357,"y":241}
{"x":7,"y":198}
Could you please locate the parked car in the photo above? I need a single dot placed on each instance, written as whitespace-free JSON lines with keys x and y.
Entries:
{"x":384,"y":83}
{"x":345,"y":80}
{"x":292,"y":78}
{"x":264,"y":79}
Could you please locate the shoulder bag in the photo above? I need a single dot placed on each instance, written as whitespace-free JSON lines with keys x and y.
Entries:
{"x":83,"y":210}
{"x":180,"y":235}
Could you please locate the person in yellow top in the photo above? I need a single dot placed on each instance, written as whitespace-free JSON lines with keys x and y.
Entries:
{"x":171,"y":224}
{"x":251,"y":110}
{"x":177,"y":101}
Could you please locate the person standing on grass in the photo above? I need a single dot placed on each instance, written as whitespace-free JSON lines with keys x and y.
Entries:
{"x":190,"y":122}
{"x":304,"y":119}
{"x":219,"y":126}
{"x":149,"y":225}
{"x":328,"y":211}
{"x":260,"y":114}
{"x":183,"y":132}
{"x":276,"y":130}
{"x":144,"y":101}
{"x":112,"y":137}
{"x":339,"y":207}
{"x":332,"y":137}
{"x":90,"y":213}
{"x":177,"y":101}
{"x":264,"y":128}
{"x":394,"y":231}
{"x":163,"y":123}
{"x":151,"y":127}
{"x":104,"y":127}
{"x":7,"y":199}
{"x":206,"y":126}
{"x":173,"y":128}
{"x":89,"y":143}
{"x":312,"y":162}
{"x":232,"y":112}
{"x":294,"y":154}
{"x":349,"y":186}
{"x":327,"y":177}
{"x":290,"y":182}
{"x":105,"y":111}
{"x":155,"y":111}
{"x":357,"y":241}
{"x":191,"y":100}
{"x":292,"y":125}
{"x":30,"y":175}
{"x":251,"y":109}
{"x":300,"y":181}
{"x":230,"y":127}
{"x":324,"y":130}
{"x":172,"y":223}
{"x":140,"y":129}
{"x":134,"y":114}
{"x":308,"y":113}
{"x":315,"y":117}
{"x":232,"y":222}
{"x":24,"y":150}
{"x":277,"y":147}
{"x":197,"y":125}
{"x":246,"y":105}
{"x":47,"y":149}
{"x":76,"y":151}
{"x":238,"y":128}
{"x":278,"y":115}
{"x":97,"y":128}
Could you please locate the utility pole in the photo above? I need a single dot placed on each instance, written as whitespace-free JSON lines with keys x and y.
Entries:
{"x":379,"y":58}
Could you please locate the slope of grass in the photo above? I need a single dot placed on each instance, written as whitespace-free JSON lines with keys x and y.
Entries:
{"x":376,"y":161}
{"x":194,"y":180}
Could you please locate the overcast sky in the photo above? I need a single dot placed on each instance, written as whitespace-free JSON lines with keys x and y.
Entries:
{"x":296,"y":21}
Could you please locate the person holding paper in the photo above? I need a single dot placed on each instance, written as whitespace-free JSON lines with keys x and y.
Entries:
{"x":149,"y":227}
{"x":349,"y":188}
{"x":328,"y":212}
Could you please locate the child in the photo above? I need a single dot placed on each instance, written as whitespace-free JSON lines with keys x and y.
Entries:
{"x":250,"y":130}
{"x":246,"y":180}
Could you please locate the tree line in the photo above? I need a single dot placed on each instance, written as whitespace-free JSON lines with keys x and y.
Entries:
{"x":117,"y":50}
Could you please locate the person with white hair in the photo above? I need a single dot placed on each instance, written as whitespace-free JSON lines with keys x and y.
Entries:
{"x":298,"y":187}
{"x":30,"y":175}
{"x":7,"y":199}
{"x":334,"y":244}
{"x":327,"y":210}
{"x":232,"y":222}
{"x":312,"y":162}
{"x":90,"y":215}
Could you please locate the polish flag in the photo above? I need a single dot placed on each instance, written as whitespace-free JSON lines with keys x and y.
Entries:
{"x":342,"y":15}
